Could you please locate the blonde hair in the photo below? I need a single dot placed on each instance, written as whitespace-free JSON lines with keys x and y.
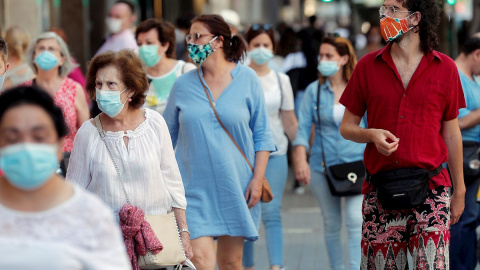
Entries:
{"x":17,"y":41}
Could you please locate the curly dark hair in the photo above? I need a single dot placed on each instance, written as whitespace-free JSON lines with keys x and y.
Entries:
{"x":427,"y":28}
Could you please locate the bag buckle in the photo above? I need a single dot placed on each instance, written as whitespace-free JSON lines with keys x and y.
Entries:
{"x":352,"y":177}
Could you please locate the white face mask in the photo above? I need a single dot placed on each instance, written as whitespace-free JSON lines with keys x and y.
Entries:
{"x":114,"y":25}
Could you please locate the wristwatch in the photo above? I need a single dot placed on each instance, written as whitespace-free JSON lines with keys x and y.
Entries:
{"x":184,"y":230}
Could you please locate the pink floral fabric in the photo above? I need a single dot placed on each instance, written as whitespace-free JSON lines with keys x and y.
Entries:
{"x":138,"y":236}
{"x":65,"y":99}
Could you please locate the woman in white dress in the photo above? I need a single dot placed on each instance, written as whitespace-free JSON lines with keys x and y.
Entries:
{"x":47,"y":223}
{"x":138,"y":140}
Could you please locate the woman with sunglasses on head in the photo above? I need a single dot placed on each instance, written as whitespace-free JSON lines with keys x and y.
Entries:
{"x":280,"y":108}
{"x":46,"y":222}
{"x":336,"y":63}
{"x":156,"y":43}
{"x":221,"y":189}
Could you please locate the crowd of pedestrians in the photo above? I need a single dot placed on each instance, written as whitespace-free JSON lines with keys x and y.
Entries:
{"x":197,"y":137}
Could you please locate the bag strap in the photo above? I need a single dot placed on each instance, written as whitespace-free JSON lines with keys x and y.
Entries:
{"x":324,"y":163}
{"x":220,"y":122}
{"x":100,"y":130}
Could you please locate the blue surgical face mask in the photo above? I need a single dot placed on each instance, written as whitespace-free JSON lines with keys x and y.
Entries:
{"x":149,"y":55}
{"x":328,"y":68}
{"x":28,"y":166}
{"x":46,"y":60}
{"x":109,"y":101}
{"x":260,"y":55}
{"x":199,"y":53}
{"x":2,"y":79}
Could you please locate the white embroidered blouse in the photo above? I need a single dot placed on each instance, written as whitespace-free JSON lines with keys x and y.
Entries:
{"x":148,"y":167}
{"x":80,"y":233}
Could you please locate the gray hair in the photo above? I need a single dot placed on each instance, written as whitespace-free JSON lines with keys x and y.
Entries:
{"x":67,"y":66}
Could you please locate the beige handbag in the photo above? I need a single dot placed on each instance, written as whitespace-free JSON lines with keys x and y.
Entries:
{"x":164,"y":226}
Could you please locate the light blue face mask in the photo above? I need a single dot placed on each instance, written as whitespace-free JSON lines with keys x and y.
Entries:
{"x":149,"y":55}
{"x":46,"y":60}
{"x":109,"y":101}
{"x":328,"y":68}
{"x":260,"y":55}
{"x":28,"y":166}
{"x":2,"y":79}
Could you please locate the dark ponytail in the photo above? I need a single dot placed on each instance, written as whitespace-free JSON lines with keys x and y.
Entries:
{"x":234,"y":47}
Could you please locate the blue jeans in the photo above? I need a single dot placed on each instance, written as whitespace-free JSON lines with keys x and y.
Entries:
{"x":276,"y":175}
{"x":463,"y":235}
{"x":331,"y":210}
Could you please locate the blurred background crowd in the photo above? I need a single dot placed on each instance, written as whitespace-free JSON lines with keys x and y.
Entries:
{"x":85,"y":30}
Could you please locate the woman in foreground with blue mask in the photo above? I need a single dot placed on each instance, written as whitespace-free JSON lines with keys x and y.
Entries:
{"x":47,"y":223}
{"x":133,"y":155}
{"x":50,"y":59}
{"x":280,"y":108}
{"x":221,"y":189}
{"x":156,"y":43}
{"x":336,"y":63}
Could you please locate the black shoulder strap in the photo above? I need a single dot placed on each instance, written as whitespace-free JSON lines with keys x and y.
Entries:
{"x":324,"y":163}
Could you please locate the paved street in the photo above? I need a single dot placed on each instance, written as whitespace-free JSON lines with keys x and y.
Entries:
{"x":303,"y":233}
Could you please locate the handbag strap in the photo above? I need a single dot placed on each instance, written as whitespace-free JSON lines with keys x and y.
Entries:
{"x":220,"y":122}
{"x":99,"y":126}
{"x":324,"y":163}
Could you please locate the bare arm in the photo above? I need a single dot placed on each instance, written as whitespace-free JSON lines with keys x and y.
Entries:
{"x":254,"y":189}
{"x":351,"y":130}
{"x":83,"y":113}
{"x":302,"y":168}
{"x":185,"y":236}
{"x":453,"y":139}
{"x":470,"y":120}
{"x":290,"y":124}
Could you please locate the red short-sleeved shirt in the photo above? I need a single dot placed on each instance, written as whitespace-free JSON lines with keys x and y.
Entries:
{"x":434,"y":94}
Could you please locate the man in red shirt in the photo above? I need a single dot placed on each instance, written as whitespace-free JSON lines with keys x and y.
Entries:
{"x":411,"y":95}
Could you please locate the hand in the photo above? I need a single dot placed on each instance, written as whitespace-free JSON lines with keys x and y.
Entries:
{"x":380,"y":138}
{"x":187,"y":247}
{"x":254,"y":191}
{"x":457,"y":205}
{"x":302,"y":172}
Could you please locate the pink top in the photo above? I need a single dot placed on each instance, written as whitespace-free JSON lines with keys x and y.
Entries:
{"x":65,"y":99}
{"x":123,"y":40}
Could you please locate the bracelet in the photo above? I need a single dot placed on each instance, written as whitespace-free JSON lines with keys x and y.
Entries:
{"x":184,"y":230}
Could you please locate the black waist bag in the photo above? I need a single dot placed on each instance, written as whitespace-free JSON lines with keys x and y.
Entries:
{"x":402,"y":188}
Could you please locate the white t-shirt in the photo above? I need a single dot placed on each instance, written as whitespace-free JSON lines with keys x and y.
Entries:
{"x":277,"y":100}
{"x":157,"y":104}
{"x":338,"y":112}
{"x":80,"y":233}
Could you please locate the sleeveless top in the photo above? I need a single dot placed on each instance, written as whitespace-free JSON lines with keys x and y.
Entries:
{"x":65,"y":99}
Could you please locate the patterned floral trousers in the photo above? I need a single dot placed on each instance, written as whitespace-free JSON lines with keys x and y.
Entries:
{"x":423,"y":230}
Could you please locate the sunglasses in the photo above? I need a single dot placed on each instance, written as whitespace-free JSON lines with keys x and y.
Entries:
{"x":258,"y":26}
{"x":333,"y":35}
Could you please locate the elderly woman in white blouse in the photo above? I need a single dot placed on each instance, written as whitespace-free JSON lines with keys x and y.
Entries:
{"x":137,"y":139}
{"x":45,"y":222}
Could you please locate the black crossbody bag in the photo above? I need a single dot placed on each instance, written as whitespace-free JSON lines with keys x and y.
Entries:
{"x":402,"y":188}
{"x":471,"y":162}
{"x":343,"y":179}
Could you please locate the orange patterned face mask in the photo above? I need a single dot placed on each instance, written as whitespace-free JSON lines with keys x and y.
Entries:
{"x":392,"y":28}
